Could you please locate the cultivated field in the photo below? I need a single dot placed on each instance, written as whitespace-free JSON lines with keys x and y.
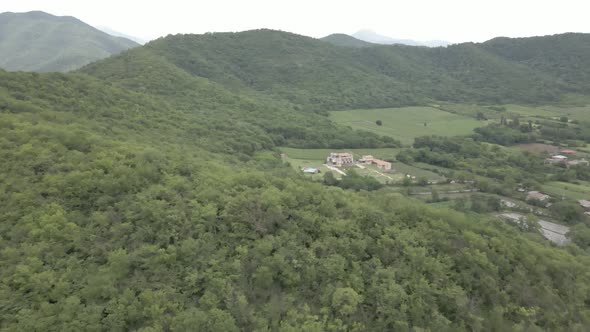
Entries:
{"x":408,"y":122}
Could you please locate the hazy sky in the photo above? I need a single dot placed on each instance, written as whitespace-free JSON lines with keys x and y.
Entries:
{"x":451,"y":20}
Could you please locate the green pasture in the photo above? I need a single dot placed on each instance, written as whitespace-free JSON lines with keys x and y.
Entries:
{"x":406,"y":123}
{"x":322,"y":154}
{"x":568,"y":190}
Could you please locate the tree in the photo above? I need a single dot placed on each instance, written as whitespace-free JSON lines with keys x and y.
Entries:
{"x":379,"y":123}
{"x":345,"y":301}
{"x":569,"y":212}
{"x":330,"y":179}
{"x":422,"y":181}
{"x":434,"y":195}
{"x":407,"y":181}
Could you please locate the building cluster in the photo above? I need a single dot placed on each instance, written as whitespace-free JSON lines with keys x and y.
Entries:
{"x":563,"y":159}
{"x":347,"y":159}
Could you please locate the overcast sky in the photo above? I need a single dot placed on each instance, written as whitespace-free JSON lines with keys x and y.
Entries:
{"x":450,"y":20}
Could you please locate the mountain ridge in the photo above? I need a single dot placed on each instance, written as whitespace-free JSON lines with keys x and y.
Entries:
{"x":341,"y":39}
{"x":320,"y":76}
{"x":373,"y":37}
{"x":38,"y":41}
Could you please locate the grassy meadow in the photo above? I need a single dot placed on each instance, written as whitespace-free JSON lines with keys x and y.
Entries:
{"x":322,"y":154}
{"x":406,"y":123}
{"x":568,"y":190}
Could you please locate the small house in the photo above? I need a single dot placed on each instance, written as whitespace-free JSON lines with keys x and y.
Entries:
{"x":311,"y":170}
{"x":368,"y":159}
{"x":556,"y":159}
{"x":385,"y":165}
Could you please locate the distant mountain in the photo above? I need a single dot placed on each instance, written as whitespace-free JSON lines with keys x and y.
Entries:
{"x":340,"y":39}
{"x":373,"y":37}
{"x":37,"y":41}
{"x":120,"y":34}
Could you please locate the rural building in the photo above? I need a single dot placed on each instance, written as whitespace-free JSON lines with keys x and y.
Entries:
{"x":340,"y":159}
{"x":370,"y":160}
{"x":556,"y":159}
{"x":385,"y":165}
{"x":311,"y":170}
{"x":537,"y":195}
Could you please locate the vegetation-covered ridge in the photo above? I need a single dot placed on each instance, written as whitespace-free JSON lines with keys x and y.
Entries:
{"x":149,"y":198}
{"x":317,"y":75}
{"x":37,"y":41}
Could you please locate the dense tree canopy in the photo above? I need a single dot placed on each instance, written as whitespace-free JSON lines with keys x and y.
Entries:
{"x":146,"y":198}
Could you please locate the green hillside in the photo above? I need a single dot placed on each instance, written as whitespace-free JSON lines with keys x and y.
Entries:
{"x":38,"y":41}
{"x":146,"y":192}
{"x":320,"y":76}
{"x":122,"y":211}
{"x":563,"y":56}
{"x":340,"y":39}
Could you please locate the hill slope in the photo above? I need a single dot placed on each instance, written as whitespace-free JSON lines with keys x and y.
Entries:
{"x":320,"y":76}
{"x":126,"y":210}
{"x":38,"y":41}
{"x":340,"y":39}
{"x":565,"y":56}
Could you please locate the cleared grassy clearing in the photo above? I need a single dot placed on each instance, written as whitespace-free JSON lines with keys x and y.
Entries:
{"x":322,"y":154}
{"x":538,"y":111}
{"x":299,"y":164}
{"x":568,"y":190}
{"x":417,"y":172}
{"x":407,"y":123}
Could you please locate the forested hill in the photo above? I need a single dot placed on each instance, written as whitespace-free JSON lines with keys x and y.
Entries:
{"x":124,"y":210}
{"x":37,"y":41}
{"x":565,"y":56}
{"x":319,"y":75}
{"x":340,"y":39}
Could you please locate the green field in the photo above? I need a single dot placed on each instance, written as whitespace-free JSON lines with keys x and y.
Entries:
{"x":299,"y":164}
{"x":538,"y":111}
{"x":416,"y":171}
{"x":568,"y":190}
{"x":322,"y":154}
{"x":408,"y":122}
